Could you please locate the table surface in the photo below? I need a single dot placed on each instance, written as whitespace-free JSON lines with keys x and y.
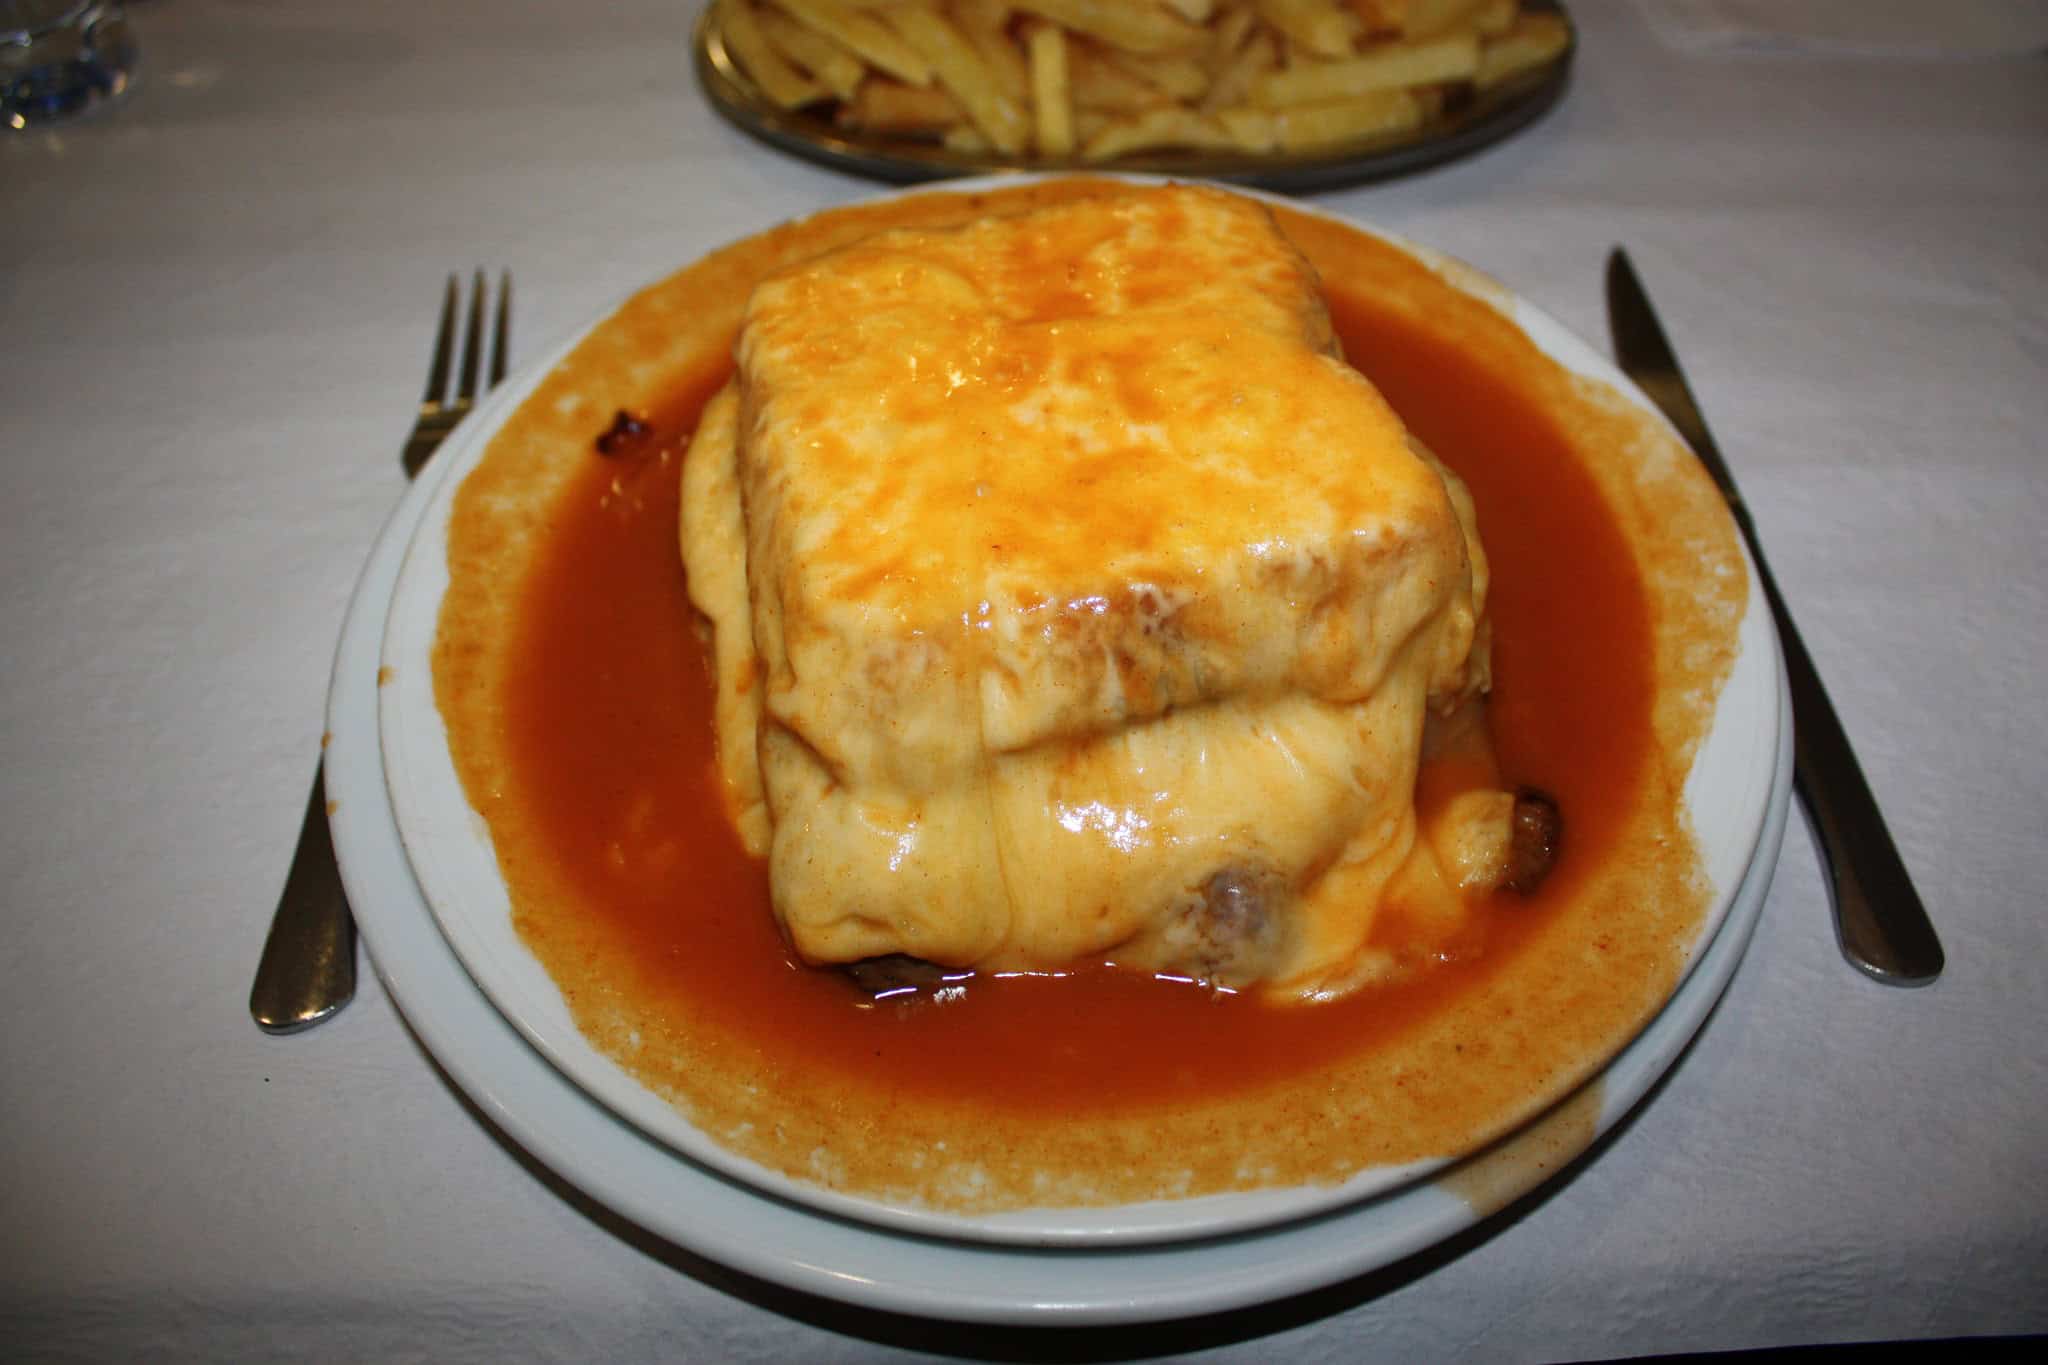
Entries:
{"x":217,"y":302}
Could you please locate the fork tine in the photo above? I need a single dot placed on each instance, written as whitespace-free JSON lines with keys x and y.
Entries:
{"x":501,"y":333}
{"x":472,"y":343}
{"x":444,"y":348}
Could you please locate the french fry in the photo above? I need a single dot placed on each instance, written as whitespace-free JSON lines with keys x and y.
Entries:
{"x":1181,"y":78}
{"x":1169,"y":125}
{"x":1428,"y":18}
{"x":779,"y":81}
{"x":1291,"y":54}
{"x":986,"y":24}
{"x":1434,"y":18}
{"x":1099,"y":83}
{"x":1381,"y":16}
{"x":1194,"y":11}
{"x":960,"y":69}
{"x":1320,"y":27}
{"x":863,"y":34}
{"x":1128,"y":24}
{"x":1496,"y":18}
{"x":1253,"y":130}
{"x":1534,"y":40}
{"x":830,"y":64}
{"x":1089,"y":122}
{"x":1390,"y":66}
{"x":1310,"y":126}
{"x":1052,"y":96}
{"x":967,"y":140}
{"x":1233,"y":84}
{"x":1227,"y":35}
{"x":883,"y":105}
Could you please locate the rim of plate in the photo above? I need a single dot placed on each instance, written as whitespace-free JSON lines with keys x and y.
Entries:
{"x":449,"y":846}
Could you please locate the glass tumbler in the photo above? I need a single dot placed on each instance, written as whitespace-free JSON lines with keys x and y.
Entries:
{"x":61,"y":57}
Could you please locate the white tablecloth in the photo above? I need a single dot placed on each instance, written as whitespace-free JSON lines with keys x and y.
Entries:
{"x":217,"y":302}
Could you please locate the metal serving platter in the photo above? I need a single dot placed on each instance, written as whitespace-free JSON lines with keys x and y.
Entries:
{"x":1465,"y":124}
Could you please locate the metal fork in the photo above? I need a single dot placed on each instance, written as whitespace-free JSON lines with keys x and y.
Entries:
{"x":308,"y":969}
{"x":437,"y":417}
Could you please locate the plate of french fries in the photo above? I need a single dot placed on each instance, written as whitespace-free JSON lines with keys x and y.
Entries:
{"x":1292,"y":95}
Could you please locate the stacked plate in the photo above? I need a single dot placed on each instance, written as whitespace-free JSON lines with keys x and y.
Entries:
{"x":490,"y":1015}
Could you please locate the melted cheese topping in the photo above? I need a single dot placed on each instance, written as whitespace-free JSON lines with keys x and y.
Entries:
{"x":1074,"y":600}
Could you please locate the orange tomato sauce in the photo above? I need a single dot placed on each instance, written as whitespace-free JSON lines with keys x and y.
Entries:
{"x":611,"y":748}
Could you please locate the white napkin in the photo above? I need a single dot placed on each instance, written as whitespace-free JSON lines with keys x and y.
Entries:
{"x":1949,"y":29}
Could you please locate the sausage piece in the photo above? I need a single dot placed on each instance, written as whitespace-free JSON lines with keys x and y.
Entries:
{"x":625,"y":436}
{"x":897,"y":973}
{"x":1535,"y":835}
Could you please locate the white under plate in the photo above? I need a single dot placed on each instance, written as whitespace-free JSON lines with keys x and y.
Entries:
{"x":1736,"y":793}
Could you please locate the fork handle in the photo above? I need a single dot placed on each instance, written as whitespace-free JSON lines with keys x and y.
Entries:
{"x":308,"y":970}
{"x":420,"y":447}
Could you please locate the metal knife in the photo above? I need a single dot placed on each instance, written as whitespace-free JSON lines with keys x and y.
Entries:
{"x":1879,"y":921}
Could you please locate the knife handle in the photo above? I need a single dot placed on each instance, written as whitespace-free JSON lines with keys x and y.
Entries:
{"x":1883,"y":928}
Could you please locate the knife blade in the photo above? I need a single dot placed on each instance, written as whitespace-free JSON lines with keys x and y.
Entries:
{"x":1880,"y":923}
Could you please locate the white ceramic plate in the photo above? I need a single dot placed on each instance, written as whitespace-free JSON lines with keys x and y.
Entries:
{"x":644,"y":1180}
{"x":451,"y":855}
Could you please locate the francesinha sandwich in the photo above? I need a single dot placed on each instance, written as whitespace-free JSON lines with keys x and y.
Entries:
{"x":1074,"y":602}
